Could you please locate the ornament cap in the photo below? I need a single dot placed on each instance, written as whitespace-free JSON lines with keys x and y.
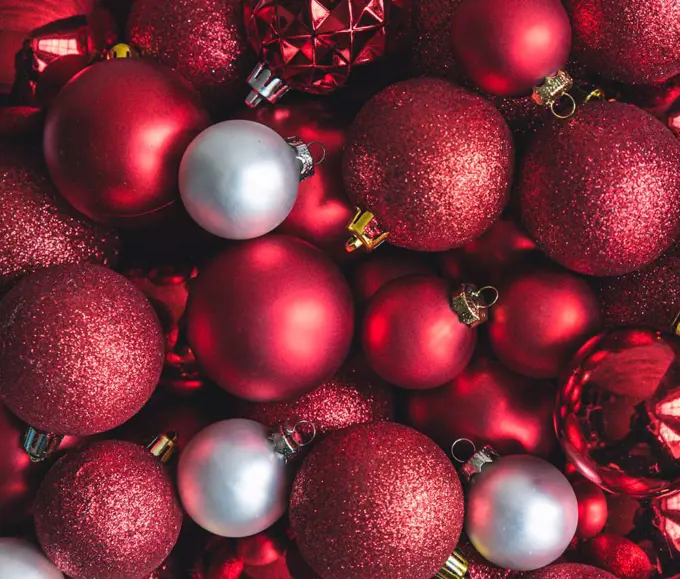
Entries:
{"x":163,"y":446}
{"x":121,"y":50}
{"x":456,"y":567}
{"x":675,"y":326}
{"x":474,"y":465}
{"x":554,"y":89}
{"x":303,"y":154}
{"x":288,"y":440}
{"x":366,"y":232}
{"x":470,"y":305}
{"x":266,"y":86}
{"x":39,"y":445}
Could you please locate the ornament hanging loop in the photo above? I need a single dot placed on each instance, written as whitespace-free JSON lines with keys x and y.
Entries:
{"x":458,"y":443}
{"x":571,"y":107}
{"x":323,"y":151}
{"x":470,"y":306}
{"x":288,"y":440}
{"x":555,"y":88}
{"x":491,"y":298}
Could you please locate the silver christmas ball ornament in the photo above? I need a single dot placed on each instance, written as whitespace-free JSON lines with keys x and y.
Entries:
{"x":20,"y":559}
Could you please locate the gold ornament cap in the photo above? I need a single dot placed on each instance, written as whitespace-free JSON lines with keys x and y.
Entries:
{"x":163,"y":446}
{"x":121,"y":50}
{"x":555,"y":88}
{"x":366,"y":232}
{"x":456,"y":567}
{"x":471,"y":305}
{"x":675,"y":328}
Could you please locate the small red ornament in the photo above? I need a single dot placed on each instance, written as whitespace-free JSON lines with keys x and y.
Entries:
{"x":488,"y":404}
{"x":631,"y":41}
{"x":618,"y":209}
{"x":107,"y":512}
{"x":617,"y":411}
{"x":203,"y":40}
{"x":541,"y":320}
{"x":270,"y":319}
{"x":592,"y":508}
{"x":618,"y":555}
{"x":114,"y":138}
{"x":570,"y":571}
{"x":507,"y":47}
{"x":391,"y":497}
{"x":81,"y":349}
{"x":432,"y":161}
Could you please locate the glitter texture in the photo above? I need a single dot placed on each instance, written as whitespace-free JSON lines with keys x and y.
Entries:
{"x":619,"y":556}
{"x":480,"y":568}
{"x":432,"y":52}
{"x":600,"y":194}
{"x":376,"y":500}
{"x":432,"y":161}
{"x":203,"y":40}
{"x":38,"y":229}
{"x":81,"y":349}
{"x":633,"y":41}
{"x":107,"y":512}
{"x":570,"y":571}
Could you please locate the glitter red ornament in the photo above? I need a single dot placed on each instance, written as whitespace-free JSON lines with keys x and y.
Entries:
{"x":270,"y":319}
{"x":619,"y":203}
{"x":391,"y":497}
{"x":432,"y":161}
{"x":570,"y":571}
{"x":114,"y":138}
{"x":480,"y":568}
{"x":618,"y":555}
{"x":107,"y":512}
{"x":592,"y":508}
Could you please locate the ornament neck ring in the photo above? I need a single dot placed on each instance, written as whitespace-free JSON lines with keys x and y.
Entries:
{"x":457,"y":443}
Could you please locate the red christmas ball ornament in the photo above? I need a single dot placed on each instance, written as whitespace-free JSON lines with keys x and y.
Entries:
{"x":114,"y":138}
{"x":203,"y":40}
{"x":270,"y":319}
{"x":431,"y":52}
{"x":507,"y":47}
{"x":592,"y":508}
{"x":38,"y":229}
{"x":618,"y":555}
{"x":82,"y":349}
{"x":541,"y":320}
{"x":570,"y":571}
{"x":488,"y":404}
{"x":107,"y":512}
{"x":431,"y":161}
{"x":617,"y":409}
{"x":391,"y":496}
{"x":627,"y":40}
{"x":618,"y":209}
{"x":57,"y":74}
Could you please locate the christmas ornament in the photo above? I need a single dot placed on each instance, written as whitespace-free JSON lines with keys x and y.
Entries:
{"x":203,"y":40}
{"x":133,"y":518}
{"x":56,"y":75}
{"x":592,"y":508}
{"x":418,"y":331}
{"x":218,"y":561}
{"x":618,"y":555}
{"x":270,"y":319}
{"x":488,"y":403}
{"x":392,"y":498}
{"x":431,"y":53}
{"x":629,"y":41}
{"x":114,"y":138}
{"x":169,"y":569}
{"x":21,"y":560}
{"x":539,"y":340}
{"x":570,"y":571}
{"x":619,"y":203}
{"x":264,"y":548}
{"x":38,"y":229}
{"x":433,"y":176}
{"x":480,"y":568}
{"x":81,"y":352}
{"x":232,"y":477}
{"x":616,"y":411}
{"x":239,"y":179}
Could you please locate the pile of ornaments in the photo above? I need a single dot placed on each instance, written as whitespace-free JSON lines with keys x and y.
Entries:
{"x":332,"y":289}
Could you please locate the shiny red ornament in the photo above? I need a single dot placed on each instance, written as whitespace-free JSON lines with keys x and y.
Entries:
{"x":203,"y":40}
{"x":432,"y":161}
{"x":270,"y":319}
{"x":617,"y":411}
{"x":541,"y":319}
{"x":508,"y":47}
{"x":114,"y":138}
{"x":570,"y":571}
{"x":488,"y":404}
{"x":631,"y":41}
{"x":81,"y":349}
{"x":592,"y":508}
{"x":618,"y":555}
{"x":618,"y":209}
{"x":38,"y":229}
{"x":107,"y":512}
{"x":391,"y":497}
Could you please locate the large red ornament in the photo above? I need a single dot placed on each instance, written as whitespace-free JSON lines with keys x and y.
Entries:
{"x":107,"y":512}
{"x":391,"y":497}
{"x":270,"y":319}
{"x":81,"y":349}
{"x":114,"y":138}
{"x":203,"y":40}
{"x":618,"y":555}
{"x":570,"y":571}
{"x":592,"y":508}
{"x":618,"y":409}
{"x":631,"y":41}
{"x":488,"y":404}
{"x":541,"y":319}
{"x":432,"y":161}
{"x":615,"y":167}
{"x":507,"y":47}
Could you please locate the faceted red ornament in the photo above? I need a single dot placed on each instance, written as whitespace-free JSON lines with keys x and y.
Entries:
{"x":592,"y":508}
{"x":570,"y":571}
{"x":619,"y":556}
{"x":618,"y":411}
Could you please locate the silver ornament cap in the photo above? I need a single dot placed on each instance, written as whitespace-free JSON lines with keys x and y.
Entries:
{"x":20,"y":559}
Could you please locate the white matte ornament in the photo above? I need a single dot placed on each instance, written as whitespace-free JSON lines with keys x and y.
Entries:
{"x":20,"y":559}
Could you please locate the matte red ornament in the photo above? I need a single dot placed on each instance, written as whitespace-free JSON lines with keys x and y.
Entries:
{"x":630,"y":41}
{"x":488,"y":404}
{"x":107,"y":512}
{"x":508,"y":47}
{"x":82,"y":349}
{"x":592,"y":508}
{"x":570,"y":571}
{"x":617,"y":411}
{"x":618,"y":555}
{"x":618,"y":209}
{"x":203,"y":40}
{"x":270,"y":319}
{"x":114,"y":138}
{"x":432,"y":161}
{"x":541,"y":319}
{"x":391,"y":497}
